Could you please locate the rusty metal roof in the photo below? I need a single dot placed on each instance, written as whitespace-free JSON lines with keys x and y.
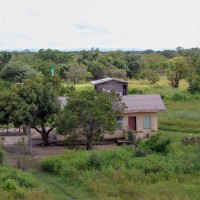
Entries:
{"x":143,"y":103}
{"x":104,"y":80}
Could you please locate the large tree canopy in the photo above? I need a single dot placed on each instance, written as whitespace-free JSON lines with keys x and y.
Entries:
{"x":17,"y":71}
{"x":33,"y":103}
{"x":90,"y":114}
{"x":177,"y":69}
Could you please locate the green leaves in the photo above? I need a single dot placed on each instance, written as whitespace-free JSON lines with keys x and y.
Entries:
{"x":90,"y":113}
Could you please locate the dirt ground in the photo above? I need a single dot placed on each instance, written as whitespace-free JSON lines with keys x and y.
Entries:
{"x":17,"y":152}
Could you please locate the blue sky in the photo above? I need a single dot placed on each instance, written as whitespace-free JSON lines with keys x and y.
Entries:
{"x":106,"y":24}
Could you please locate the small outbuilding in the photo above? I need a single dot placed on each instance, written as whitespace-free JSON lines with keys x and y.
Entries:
{"x":111,"y":85}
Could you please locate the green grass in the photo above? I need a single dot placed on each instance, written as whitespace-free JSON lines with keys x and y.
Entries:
{"x":15,"y":184}
{"x":118,"y":174}
{"x":180,"y":116}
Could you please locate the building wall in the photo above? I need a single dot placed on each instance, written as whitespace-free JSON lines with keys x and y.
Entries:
{"x":111,"y":86}
{"x":139,"y":121}
{"x":141,"y":132}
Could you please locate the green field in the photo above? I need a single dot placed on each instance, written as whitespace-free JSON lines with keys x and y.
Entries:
{"x":120,"y":173}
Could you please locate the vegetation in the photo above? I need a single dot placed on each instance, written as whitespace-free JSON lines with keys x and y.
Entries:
{"x":89,"y":115}
{"x":34,"y":103}
{"x":138,"y":171}
{"x":120,"y":173}
{"x":15,"y":184}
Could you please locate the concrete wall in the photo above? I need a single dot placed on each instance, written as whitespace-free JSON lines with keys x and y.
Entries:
{"x":139,"y":121}
{"x":141,"y":132}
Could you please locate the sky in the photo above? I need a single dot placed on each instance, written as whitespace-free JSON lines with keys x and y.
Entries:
{"x":103,"y":24}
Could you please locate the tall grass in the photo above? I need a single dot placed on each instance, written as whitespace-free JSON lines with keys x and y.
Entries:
{"x":118,"y":174}
{"x":15,"y":184}
{"x":180,"y":116}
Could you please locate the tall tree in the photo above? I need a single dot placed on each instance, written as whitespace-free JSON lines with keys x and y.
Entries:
{"x":34,"y":103}
{"x":76,"y":72}
{"x":17,"y":71}
{"x":177,"y":69}
{"x":91,"y":114}
{"x":55,"y":56}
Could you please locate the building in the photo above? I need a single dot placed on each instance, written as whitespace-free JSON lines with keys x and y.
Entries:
{"x":141,"y":113}
{"x":111,"y":85}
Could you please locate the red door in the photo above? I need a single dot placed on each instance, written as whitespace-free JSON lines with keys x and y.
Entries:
{"x":132,"y":123}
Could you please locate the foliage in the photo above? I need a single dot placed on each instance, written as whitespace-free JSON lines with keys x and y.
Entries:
{"x":150,"y":74}
{"x":194,"y":86}
{"x":120,"y":174}
{"x":94,"y":162}
{"x":156,"y":143}
{"x":17,"y":72}
{"x":4,"y":85}
{"x":2,"y":155}
{"x":16,"y":184}
{"x":34,"y":103}
{"x":76,"y":72}
{"x":131,"y":135}
{"x":177,"y":69}
{"x":55,"y":56}
{"x":4,"y":58}
{"x":91,"y":114}
{"x":67,"y":89}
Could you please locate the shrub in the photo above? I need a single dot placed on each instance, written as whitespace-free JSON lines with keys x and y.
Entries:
{"x":190,"y":140}
{"x":13,"y":186}
{"x":194,"y":86}
{"x":94,"y":162}
{"x":136,"y":91}
{"x":131,"y":136}
{"x":155,"y":143}
{"x":1,"y":156}
{"x":179,"y":97}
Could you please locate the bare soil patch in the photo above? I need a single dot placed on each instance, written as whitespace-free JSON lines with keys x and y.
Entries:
{"x":17,"y":152}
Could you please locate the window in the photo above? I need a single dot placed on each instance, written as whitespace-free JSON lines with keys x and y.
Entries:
{"x":120,"y":123}
{"x":146,"y":121}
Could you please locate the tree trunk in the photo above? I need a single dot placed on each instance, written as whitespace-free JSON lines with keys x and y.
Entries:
{"x":45,"y":139}
{"x":27,"y":131}
{"x":89,"y":143}
{"x":44,"y":134}
{"x":176,"y":81}
{"x":89,"y":137}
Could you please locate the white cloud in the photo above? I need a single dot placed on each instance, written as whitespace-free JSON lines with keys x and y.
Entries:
{"x":64,"y":24}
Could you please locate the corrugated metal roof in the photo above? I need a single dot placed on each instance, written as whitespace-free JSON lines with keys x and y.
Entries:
{"x":143,"y":103}
{"x":104,"y":80}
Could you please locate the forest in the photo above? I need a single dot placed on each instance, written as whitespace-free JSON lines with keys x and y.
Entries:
{"x":76,"y":67}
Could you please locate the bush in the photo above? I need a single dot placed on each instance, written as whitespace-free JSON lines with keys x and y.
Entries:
{"x":179,"y":97}
{"x":136,"y":91}
{"x":94,"y":162}
{"x":194,"y":86}
{"x":155,"y":143}
{"x":1,"y":156}
{"x":131,"y":134}
{"x":13,"y":186}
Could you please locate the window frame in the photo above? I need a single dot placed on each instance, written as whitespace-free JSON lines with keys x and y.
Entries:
{"x":147,"y":122}
{"x":119,"y":123}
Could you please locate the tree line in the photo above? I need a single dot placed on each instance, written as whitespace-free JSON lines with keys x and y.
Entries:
{"x":74,"y":67}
